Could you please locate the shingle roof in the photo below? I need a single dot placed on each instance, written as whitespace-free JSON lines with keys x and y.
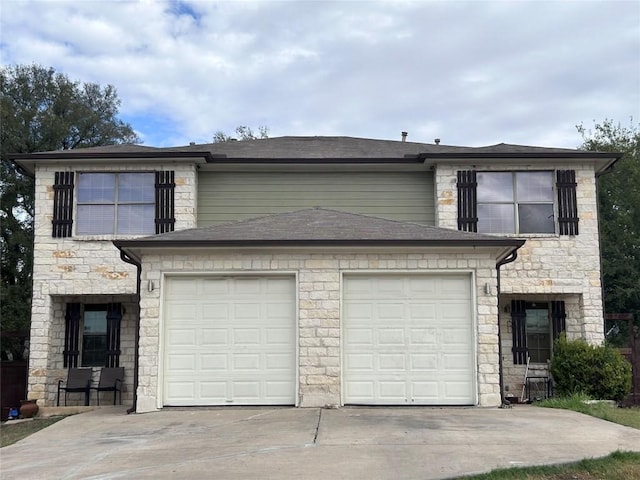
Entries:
{"x":312,"y":150}
{"x":318,"y":147}
{"x":318,"y":226}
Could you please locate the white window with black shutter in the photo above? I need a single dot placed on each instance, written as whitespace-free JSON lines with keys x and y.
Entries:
{"x":535,"y":326}
{"x":520,"y":202}
{"x":114,"y":203}
{"x":92,"y":335}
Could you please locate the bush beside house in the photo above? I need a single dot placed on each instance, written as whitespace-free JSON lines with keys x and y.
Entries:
{"x":597,"y":371}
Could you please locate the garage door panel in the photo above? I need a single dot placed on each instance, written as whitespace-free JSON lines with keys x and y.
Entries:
{"x":456,"y":340}
{"x":214,"y":311}
{"x":246,"y":336}
{"x":246,"y":311}
{"x":390,"y":390}
{"x":215,"y":362}
{"x":277,"y":337}
{"x":425,"y":362}
{"x":456,"y":362}
{"x":185,"y":362}
{"x":391,"y":362}
{"x":247,"y":286}
{"x":276,"y":310}
{"x":214,"y":337}
{"x":421,"y":286}
{"x":422,"y":332}
{"x":277,"y":361}
{"x":237,"y":348}
{"x":181,"y":390}
{"x":390,"y":312}
{"x":182,"y":310}
{"x":279,"y":286}
{"x":457,"y":390}
{"x":277,"y":390}
{"x":359,"y":362}
{"x":182,"y":337}
{"x":211,"y":286}
{"x":360,"y":390}
{"x":423,"y":336}
{"x":390,"y":336}
{"x":213,"y":391}
{"x":390,"y":287}
{"x":242,"y":363}
{"x":247,"y":390}
{"x":422,"y":311}
{"x":360,"y":336}
{"x":426,"y":390}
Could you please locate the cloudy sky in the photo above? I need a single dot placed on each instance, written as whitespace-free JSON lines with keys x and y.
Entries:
{"x":468,"y":72}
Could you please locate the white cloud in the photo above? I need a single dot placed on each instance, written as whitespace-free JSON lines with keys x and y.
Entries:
{"x":470,"y":73}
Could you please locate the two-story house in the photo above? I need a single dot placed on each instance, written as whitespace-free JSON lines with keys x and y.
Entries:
{"x":312,"y":271}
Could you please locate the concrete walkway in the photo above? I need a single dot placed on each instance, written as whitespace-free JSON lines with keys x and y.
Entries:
{"x":289,"y":443}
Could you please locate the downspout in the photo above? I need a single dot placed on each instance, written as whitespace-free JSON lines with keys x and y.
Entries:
{"x":510,"y":258}
{"x":128,"y":259}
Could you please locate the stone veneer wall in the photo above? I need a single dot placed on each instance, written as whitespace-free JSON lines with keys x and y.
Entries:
{"x":319,"y":280}
{"x":548,"y":267}
{"x":78,"y":269}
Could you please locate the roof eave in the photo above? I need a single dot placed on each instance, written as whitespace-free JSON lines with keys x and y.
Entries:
{"x":603,"y":161}
{"x":28,"y":161}
{"x":136,"y":247}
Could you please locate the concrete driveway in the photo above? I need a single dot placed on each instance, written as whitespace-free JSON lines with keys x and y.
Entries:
{"x":285,"y":443}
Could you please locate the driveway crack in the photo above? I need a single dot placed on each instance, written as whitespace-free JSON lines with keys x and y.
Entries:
{"x":315,"y":437}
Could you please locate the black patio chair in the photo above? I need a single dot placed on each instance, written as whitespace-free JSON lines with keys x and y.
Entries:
{"x":78,"y":380}
{"x":110,"y":381}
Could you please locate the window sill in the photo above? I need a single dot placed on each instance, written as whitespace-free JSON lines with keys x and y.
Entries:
{"x":529,"y":235}
{"x":106,"y":238}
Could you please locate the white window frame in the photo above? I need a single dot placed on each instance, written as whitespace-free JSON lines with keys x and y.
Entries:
{"x":116,"y":203}
{"x":515,"y":203}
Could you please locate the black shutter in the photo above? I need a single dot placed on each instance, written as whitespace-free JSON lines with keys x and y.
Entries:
{"x":165,"y":190}
{"x":558,"y":318}
{"x":567,"y":204}
{"x":519,"y":330}
{"x":467,"y":203}
{"x":71,"y":335}
{"x":114,"y":317}
{"x":62,"y":204}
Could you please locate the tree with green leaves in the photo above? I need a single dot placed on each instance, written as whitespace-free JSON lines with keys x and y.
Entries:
{"x":41,"y":110}
{"x":242,"y":133}
{"x":619,"y":209}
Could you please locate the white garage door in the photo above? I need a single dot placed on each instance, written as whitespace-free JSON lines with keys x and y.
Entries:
{"x":229,"y":341}
{"x":408,"y":340}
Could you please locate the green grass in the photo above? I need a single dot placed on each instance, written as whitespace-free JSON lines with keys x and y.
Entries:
{"x":617,"y":466}
{"x":11,"y":432}
{"x":624,"y":416}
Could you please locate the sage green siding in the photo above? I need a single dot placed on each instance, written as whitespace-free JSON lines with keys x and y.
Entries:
{"x":230,"y":196}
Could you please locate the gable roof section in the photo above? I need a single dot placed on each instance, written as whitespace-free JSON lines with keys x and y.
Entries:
{"x":318,"y":227}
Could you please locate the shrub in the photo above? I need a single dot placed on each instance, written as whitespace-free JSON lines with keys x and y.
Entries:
{"x":597,"y":371}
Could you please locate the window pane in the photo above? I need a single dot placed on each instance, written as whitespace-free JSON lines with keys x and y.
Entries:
{"x":96,"y":187}
{"x":95,"y":322}
{"x":94,"y":338}
{"x":95,"y":219}
{"x":538,"y":334}
{"x":534,"y":186}
{"x":136,"y":219}
{"x":136,"y":187}
{"x":536,"y":218}
{"x":495,"y":187}
{"x":496,"y":218}
{"x":94,"y":350}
